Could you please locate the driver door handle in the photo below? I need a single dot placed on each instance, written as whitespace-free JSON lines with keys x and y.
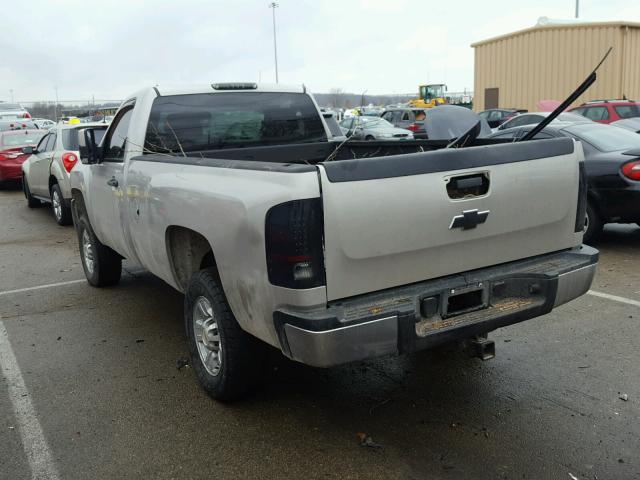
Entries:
{"x":112,"y":182}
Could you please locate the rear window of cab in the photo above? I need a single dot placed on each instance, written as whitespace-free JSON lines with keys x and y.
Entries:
{"x":211,"y":121}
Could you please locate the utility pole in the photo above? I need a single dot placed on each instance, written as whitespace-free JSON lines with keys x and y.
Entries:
{"x":577,"y":8}
{"x":362,"y":98}
{"x":274,"y":5}
{"x":11,"y":92}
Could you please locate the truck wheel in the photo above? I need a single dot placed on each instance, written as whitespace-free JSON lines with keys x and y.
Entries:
{"x":226,"y":359}
{"x":61,"y":212}
{"x":102,"y":266}
{"x":32,"y":202}
{"x":592,"y":226}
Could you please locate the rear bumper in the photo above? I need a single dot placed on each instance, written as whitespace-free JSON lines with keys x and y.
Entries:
{"x":416,"y":317}
{"x":10,"y":170}
{"x":619,"y":204}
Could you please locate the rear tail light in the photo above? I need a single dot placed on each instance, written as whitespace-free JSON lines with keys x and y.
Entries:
{"x":293,"y":238}
{"x":26,"y":115}
{"x":631,"y":170}
{"x":69,"y":161}
{"x":414,"y":127}
{"x":581,"y":211}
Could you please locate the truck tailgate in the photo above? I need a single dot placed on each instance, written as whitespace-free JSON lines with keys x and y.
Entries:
{"x":396,"y":220}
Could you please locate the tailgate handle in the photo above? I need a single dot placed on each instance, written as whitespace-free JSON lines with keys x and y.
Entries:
{"x":465,"y":186}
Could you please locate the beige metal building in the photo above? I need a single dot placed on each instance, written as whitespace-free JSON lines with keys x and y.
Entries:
{"x":547,"y":62}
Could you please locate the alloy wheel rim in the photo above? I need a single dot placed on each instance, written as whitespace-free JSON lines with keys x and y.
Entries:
{"x":207,"y":335}
{"x":586,"y":222}
{"x":57,"y":205}
{"x":87,"y":252}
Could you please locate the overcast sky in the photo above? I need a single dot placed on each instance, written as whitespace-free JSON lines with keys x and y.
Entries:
{"x":113,"y":47}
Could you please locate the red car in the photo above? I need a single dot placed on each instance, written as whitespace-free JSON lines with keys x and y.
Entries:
{"x":607,"y":111}
{"x":11,"y":156}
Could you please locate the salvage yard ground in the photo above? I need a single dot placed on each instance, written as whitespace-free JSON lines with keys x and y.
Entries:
{"x":91,"y":386}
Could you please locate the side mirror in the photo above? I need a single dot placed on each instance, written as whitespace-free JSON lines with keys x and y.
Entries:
{"x":29,"y":150}
{"x":90,"y":152}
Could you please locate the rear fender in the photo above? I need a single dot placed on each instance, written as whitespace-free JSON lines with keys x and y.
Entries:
{"x":57,"y":174}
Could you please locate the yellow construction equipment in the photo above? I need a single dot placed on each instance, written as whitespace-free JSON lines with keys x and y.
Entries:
{"x":430,"y":96}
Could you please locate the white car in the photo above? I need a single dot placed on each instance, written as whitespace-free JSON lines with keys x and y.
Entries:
{"x":12,"y":111}
{"x":43,"y":123}
{"x":46,"y":172}
{"x":531,"y":118}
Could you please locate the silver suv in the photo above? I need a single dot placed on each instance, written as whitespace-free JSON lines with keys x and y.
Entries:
{"x":45,"y":173}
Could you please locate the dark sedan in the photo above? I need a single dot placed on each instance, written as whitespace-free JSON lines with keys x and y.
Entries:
{"x":612,"y":165}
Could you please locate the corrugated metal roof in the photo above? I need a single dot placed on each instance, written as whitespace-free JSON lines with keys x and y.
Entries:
{"x":556,"y":26}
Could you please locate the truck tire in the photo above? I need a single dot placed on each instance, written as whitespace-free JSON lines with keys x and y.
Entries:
{"x":61,"y":212}
{"x":593,"y":225}
{"x":102,"y":266}
{"x":32,"y":202}
{"x":227,"y":360}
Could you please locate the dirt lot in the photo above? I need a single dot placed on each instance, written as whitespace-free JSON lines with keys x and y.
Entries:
{"x":90,"y":380}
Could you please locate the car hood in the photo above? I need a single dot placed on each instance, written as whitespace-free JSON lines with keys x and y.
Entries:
{"x":447,"y":122}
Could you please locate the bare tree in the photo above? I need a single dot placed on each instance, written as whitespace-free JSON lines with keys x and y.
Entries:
{"x":337,"y":97}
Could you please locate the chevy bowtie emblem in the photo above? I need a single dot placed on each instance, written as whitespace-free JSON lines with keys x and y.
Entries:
{"x":469,"y":219}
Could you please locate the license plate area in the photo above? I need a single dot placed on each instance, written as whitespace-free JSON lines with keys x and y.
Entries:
{"x":463,"y":300}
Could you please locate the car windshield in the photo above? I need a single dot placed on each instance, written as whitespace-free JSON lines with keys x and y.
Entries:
{"x":373,"y":122}
{"x":605,"y":138}
{"x":18,"y":138}
{"x":627,"y":111}
{"x":71,"y":137}
{"x":210,"y":121}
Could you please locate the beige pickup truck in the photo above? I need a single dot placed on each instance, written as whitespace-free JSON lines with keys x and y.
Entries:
{"x":331,"y":251}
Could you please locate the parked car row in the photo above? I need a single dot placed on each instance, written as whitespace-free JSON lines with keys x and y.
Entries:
{"x":601,"y":111}
{"x":45,"y":171}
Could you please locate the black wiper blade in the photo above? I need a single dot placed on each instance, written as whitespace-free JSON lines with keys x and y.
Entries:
{"x":564,"y":105}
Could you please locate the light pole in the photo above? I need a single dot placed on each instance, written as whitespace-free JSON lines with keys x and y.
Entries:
{"x":55,"y":107}
{"x":11,"y":92}
{"x":362,"y":98}
{"x":577,"y":8}
{"x":274,"y":5}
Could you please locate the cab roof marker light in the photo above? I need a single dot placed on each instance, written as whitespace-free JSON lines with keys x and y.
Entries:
{"x":234,"y":86}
